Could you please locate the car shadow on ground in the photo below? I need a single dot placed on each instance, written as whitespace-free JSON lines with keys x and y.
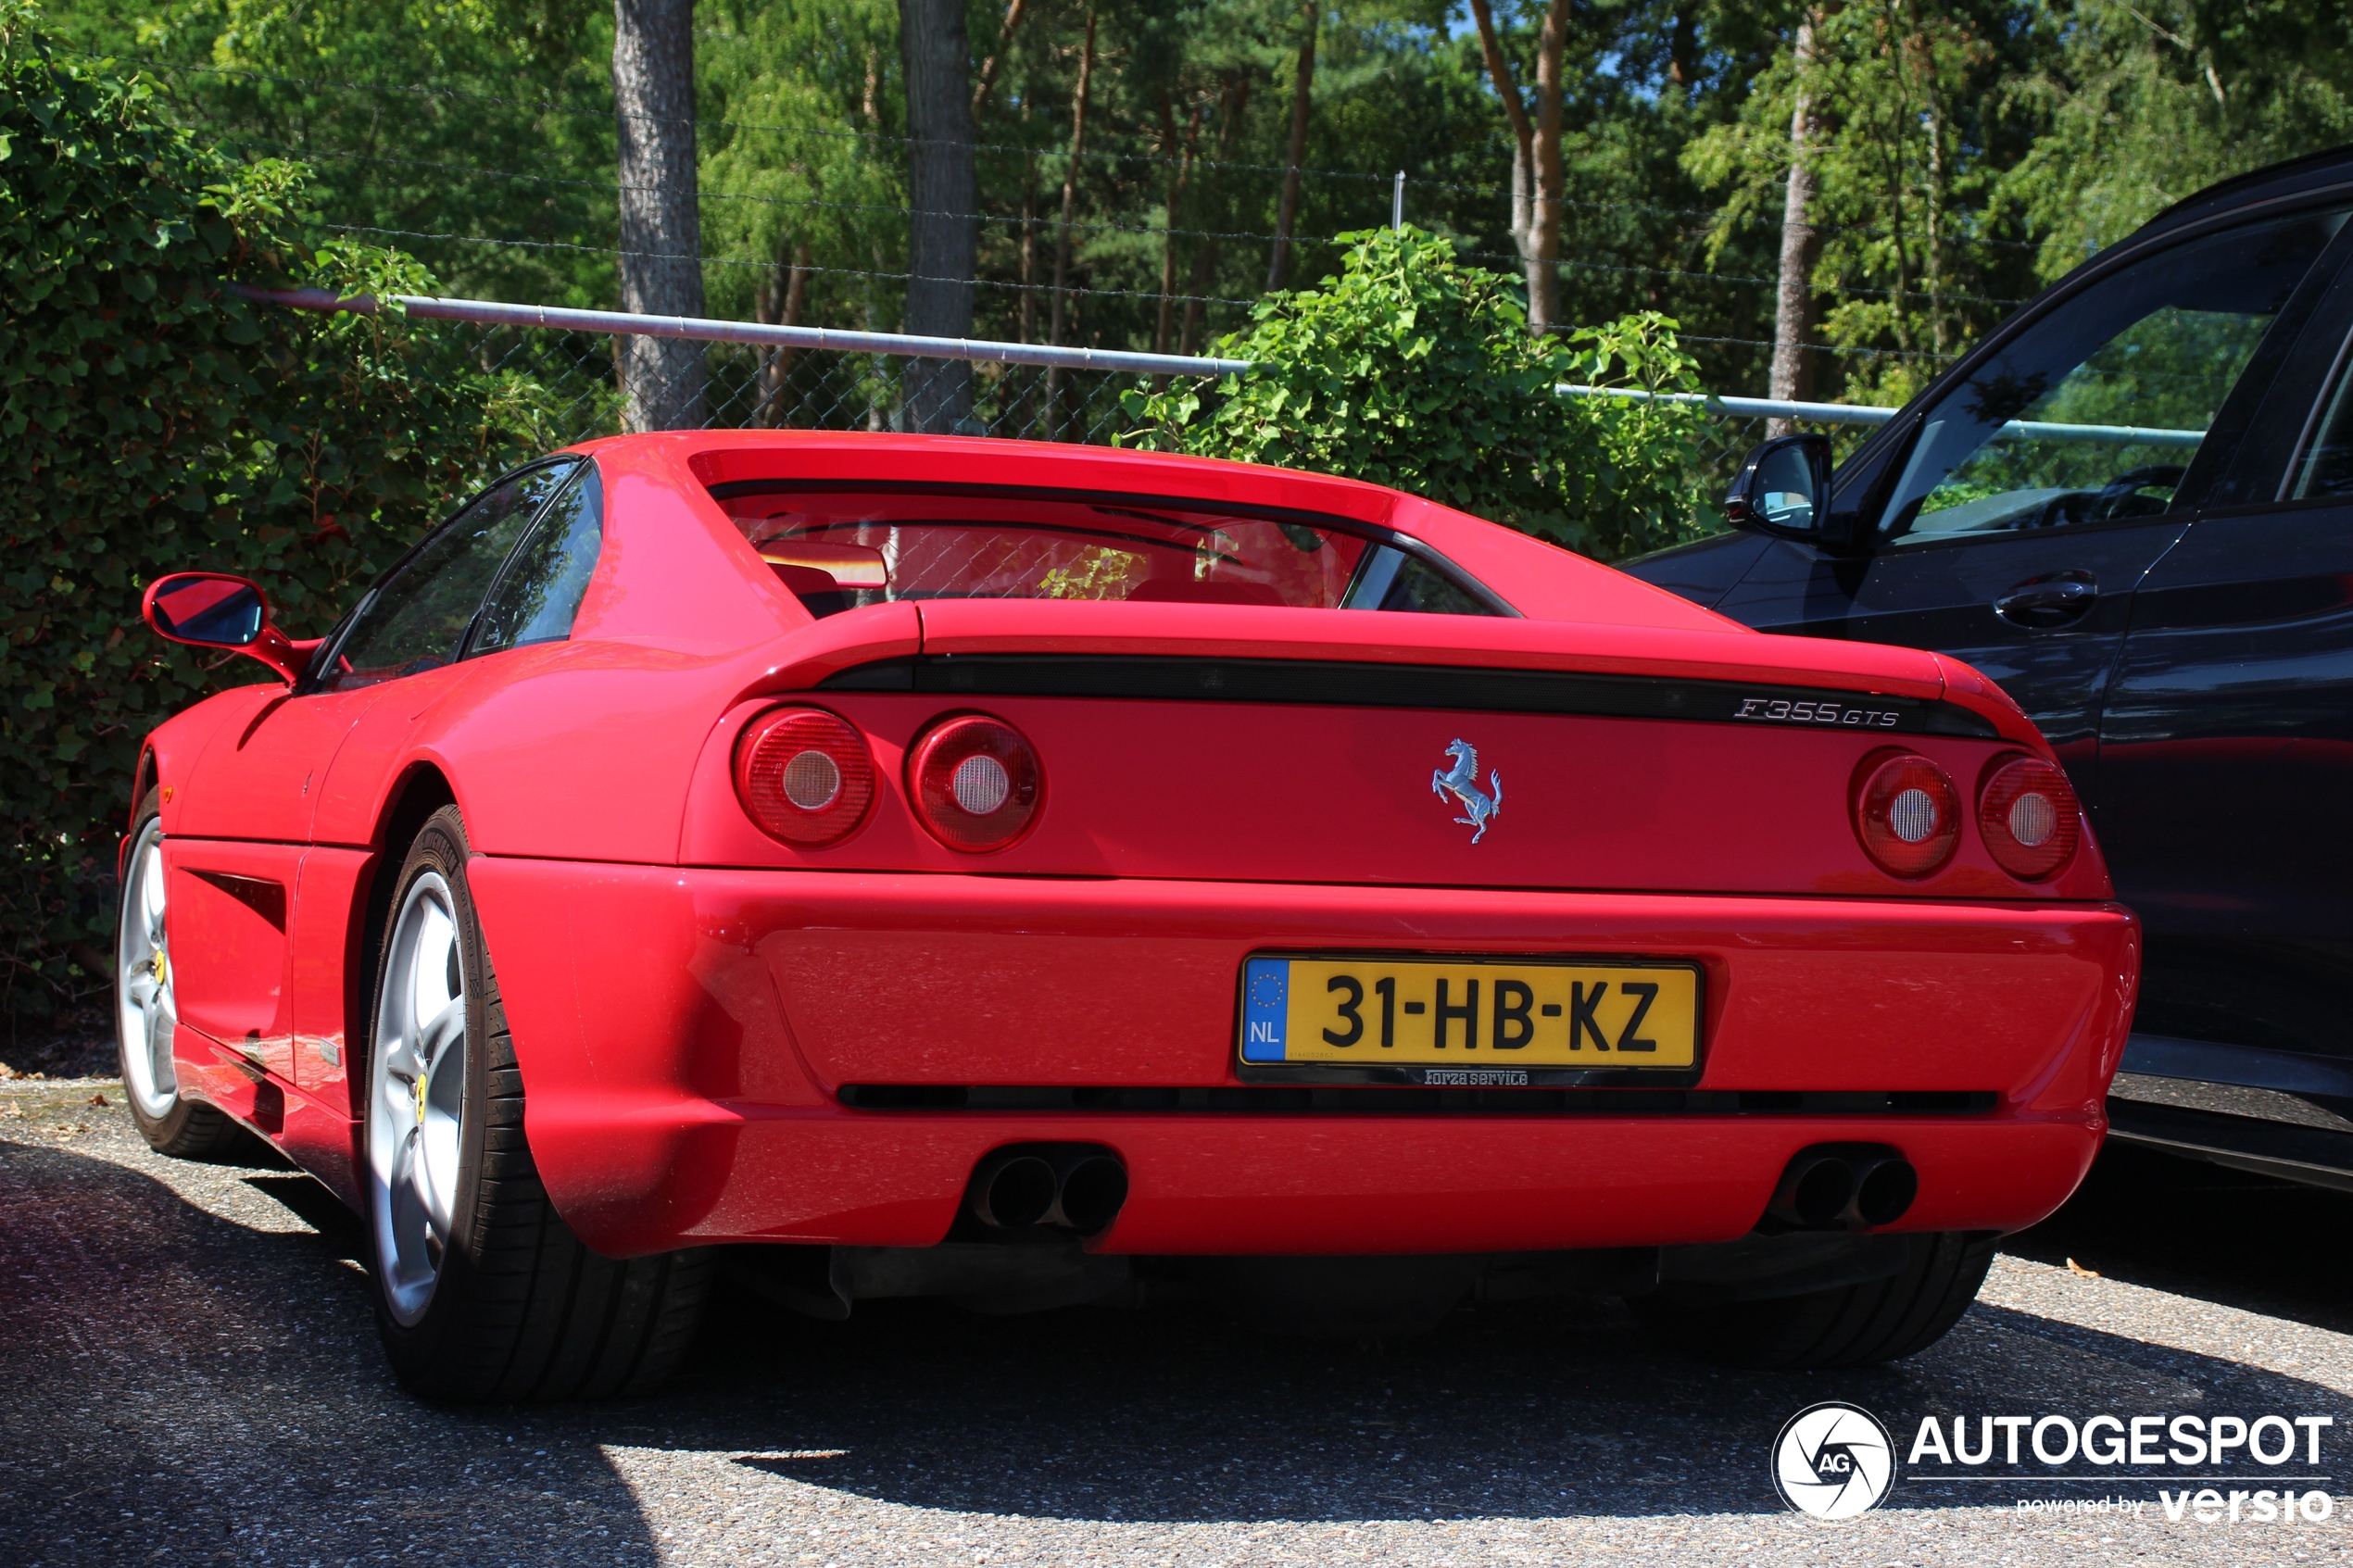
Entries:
{"x":2196,"y":1229}
{"x":202,"y":1385}
{"x":1533,"y":1410}
{"x":216,"y":1390}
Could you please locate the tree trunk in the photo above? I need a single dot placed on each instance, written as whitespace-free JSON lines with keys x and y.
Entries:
{"x":1937,"y":197}
{"x":874,"y":380}
{"x":1184,"y":150}
{"x":653,"y":87}
{"x":1792,"y":373}
{"x":1029,"y":248}
{"x":1523,"y":230}
{"x":1287,"y":213}
{"x":996,"y":56}
{"x":1892,"y":133}
{"x":1021,"y":414}
{"x":1938,"y":193}
{"x":780,"y":303}
{"x":1544,"y":245}
{"x":1231,"y":106}
{"x":1682,"y":47}
{"x":943,"y":234}
{"x":1537,"y":171}
{"x":1062,"y":237}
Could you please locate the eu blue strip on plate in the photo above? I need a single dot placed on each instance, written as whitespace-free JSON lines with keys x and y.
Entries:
{"x":1265,"y":1007}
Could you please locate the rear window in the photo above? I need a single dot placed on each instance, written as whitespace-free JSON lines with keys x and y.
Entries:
{"x":836,"y":549}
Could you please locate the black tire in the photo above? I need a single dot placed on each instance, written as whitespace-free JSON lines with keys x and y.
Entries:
{"x":192,"y":1130}
{"x":1851,"y":1325}
{"x":187,"y":1129}
{"x":521,"y":1309}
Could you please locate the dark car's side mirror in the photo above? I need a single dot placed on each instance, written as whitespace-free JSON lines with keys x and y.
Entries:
{"x":213,"y":609}
{"x":1783,"y":488}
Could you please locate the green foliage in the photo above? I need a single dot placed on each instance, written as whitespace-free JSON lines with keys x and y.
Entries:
{"x":418,"y":117}
{"x":1412,"y":370}
{"x":778,"y":171}
{"x":156,"y":422}
{"x":1910,"y":126}
{"x":489,"y":120}
{"x":2143,"y":104}
{"x":1968,"y":151}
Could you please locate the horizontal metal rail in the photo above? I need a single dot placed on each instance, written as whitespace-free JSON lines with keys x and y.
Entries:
{"x":1870,"y":414}
{"x":705,"y":330}
{"x":2099,"y":435}
{"x":699,"y":329}
{"x":1746,"y":407}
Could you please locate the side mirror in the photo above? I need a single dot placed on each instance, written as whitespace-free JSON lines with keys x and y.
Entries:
{"x":1783,"y":488}
{"x":212,"y":609}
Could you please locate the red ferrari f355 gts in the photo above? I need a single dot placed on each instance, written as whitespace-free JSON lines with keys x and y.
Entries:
{"x":1032,"y":875}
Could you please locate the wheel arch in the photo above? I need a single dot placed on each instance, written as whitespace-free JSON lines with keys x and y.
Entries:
{"x":422,"y":789}
{"x":142,"y":779}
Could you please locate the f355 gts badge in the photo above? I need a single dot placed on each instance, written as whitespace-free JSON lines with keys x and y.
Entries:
{"x":1461,"y":781}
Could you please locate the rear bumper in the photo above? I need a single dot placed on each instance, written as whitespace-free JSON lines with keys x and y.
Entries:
{"x":685,"y":1035}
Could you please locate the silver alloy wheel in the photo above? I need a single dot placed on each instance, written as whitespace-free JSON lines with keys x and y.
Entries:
{"x":145,"y":1018}
{"x":417,"y":1097}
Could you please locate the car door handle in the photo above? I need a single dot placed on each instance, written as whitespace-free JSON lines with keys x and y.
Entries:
{"x":2041,"y":603}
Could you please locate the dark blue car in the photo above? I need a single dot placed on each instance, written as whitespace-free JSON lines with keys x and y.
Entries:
{"x":2133,"y":506}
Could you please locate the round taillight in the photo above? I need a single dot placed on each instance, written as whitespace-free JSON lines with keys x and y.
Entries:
{"x":2027,"y":815}
{"x":1907,"y":813}
{"x":975,"y":782}
{"x":804,"y":775}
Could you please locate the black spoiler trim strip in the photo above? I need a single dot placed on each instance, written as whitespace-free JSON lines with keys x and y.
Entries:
{"x":1318,"y":683}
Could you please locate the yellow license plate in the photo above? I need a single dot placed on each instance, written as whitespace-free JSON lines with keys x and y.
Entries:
{"x":1375,"y":1011}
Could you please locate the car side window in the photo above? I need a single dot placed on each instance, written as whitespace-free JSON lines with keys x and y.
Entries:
{"x":1391,"y":579}
{"x":539,"y":592}
{"x":2094,"y":413}
{"x":2326,"y":468}
{"x":416,"y":620}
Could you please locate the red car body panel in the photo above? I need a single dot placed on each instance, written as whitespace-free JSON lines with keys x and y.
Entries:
{"x":776,"y":988}
{"x":690,"y":998}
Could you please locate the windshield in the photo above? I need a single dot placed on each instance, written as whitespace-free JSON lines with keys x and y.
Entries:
{"x":836,"y":549}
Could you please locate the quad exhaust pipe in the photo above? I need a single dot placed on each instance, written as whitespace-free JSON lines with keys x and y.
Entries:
{"x":1064,"y":1187}
{"x":1844,"y":1187}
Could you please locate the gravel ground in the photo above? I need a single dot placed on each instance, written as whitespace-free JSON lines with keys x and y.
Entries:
{"x":192,"y":1376}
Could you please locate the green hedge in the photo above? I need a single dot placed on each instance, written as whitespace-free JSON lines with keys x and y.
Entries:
{"x":154,"y":421}
{"x":1411,"y":370}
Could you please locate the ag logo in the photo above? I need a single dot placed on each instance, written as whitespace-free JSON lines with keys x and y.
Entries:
{"x":1833,"y":1460}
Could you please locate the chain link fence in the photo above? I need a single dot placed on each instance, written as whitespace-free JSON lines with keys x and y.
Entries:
{"x":759,"y":386}
{"x":763,"y":387}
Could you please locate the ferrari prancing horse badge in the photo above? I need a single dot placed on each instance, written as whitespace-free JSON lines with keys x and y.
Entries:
{"x":1461,"y":781}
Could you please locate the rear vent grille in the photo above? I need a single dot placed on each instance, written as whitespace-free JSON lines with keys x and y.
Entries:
{"x":1411,"y":1102}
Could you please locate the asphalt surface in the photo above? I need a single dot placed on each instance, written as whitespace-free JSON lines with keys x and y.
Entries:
{"x":189,"y":1374}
